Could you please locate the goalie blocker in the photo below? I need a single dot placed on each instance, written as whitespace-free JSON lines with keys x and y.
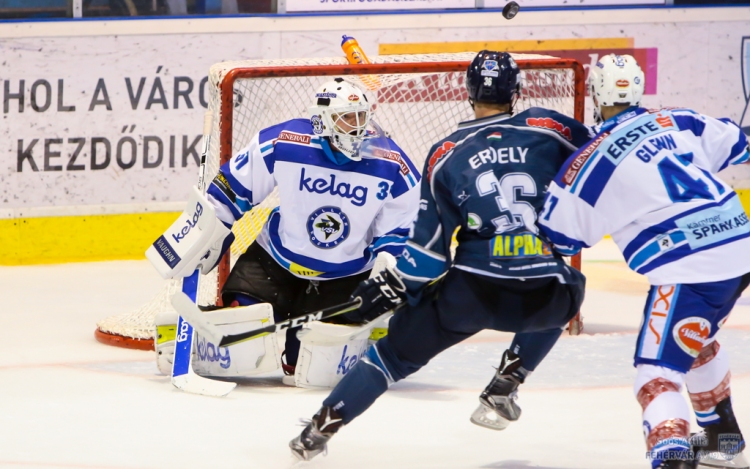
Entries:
{"x":196,"y":240}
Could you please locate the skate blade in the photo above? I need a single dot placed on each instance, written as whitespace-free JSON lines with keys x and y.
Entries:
{"x":718,"y":460}
{"x":300,"y":452}
{"x":486,"y":417}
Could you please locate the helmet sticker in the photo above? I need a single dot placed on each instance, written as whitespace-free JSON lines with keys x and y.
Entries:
{"x":325,"y":95}
{"x":317,"y":124}
{"x":353,"y":97}
{"x":619,"y":61}
{"x":622,"y":83}
{"x":637,"y":80}
{"x":490,"y":69}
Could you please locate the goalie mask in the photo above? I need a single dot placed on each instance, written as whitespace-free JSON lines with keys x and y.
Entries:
{"x":615,"y":79}
{"x":341,"y":113}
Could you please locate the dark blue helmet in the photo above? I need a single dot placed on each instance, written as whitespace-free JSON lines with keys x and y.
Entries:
{"x":493,"y":77}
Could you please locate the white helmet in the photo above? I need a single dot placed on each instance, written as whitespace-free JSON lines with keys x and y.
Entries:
{"x":615,"y":79}
{"x":342,"y":113}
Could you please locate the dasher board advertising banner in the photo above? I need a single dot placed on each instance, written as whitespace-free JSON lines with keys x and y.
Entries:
{"x":117,"y":118}
{"x":295,"y":6}
{"x":568,"y":3}
{"x":107,"y":119}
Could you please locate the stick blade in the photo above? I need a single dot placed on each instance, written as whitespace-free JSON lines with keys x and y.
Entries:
{"x":196,"y":384}
{"x":190,"y":311}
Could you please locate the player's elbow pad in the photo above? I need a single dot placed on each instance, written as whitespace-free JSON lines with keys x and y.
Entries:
{"x":196,"y":240}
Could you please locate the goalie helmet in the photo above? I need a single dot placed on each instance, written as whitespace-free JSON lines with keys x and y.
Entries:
{"x":341,"y":112}
{"x":493,"y":77}
{"x":615,"y":79}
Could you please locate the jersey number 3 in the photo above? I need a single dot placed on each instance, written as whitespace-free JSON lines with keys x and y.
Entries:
{"x":514,"y":213}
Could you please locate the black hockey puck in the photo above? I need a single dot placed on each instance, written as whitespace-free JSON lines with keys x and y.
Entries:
{"x":511,"y":10}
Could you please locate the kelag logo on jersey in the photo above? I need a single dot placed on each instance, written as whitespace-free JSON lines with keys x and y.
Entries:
{"x":328,"y":227}
{"x":342,"y":189}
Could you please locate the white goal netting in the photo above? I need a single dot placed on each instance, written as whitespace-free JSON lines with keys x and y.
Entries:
{"x":419,"y":99}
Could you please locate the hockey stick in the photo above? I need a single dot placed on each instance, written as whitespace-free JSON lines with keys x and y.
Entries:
{"x":183,"y":376}
{"x":195,"y":316}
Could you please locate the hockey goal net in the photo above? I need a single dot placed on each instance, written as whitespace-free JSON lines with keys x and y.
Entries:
{"x":419,"y":99}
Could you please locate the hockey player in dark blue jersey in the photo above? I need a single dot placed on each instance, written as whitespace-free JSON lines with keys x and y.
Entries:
{"x":488,"y":179}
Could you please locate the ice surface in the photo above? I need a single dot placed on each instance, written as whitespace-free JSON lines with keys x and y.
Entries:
{"x":67,"y":401}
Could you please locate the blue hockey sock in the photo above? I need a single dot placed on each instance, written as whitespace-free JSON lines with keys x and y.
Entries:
{"x":361,"y":386}
{"x":245,"y":300}
{"x":532,"y":347}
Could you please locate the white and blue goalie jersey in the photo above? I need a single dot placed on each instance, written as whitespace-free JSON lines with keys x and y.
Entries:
{"x":648,"y":179}
{"x":335,"y":215}
{"x":489,"y":178}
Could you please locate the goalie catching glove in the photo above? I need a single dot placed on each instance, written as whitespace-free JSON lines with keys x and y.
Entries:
{"x":196,"y":240}
{"x":379,"y":295}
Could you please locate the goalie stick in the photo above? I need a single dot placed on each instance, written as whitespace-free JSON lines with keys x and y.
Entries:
{"x":183,"y":376}
{"x":186,"y":308}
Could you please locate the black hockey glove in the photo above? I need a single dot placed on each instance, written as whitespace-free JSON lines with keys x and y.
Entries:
{"x":379,"y":294}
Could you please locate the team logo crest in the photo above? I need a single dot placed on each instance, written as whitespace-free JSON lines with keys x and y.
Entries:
{"x":691,"y":333}
{"x":317,"y":124}
{"x":729,"y":445}
{"x":327,"y":227}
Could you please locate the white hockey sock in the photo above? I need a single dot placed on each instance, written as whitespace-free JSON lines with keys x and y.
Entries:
{"x":708,"y":382}
{"x":666,"y":415}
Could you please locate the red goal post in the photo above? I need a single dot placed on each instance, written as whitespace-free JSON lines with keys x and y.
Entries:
{"x":419,"y":99}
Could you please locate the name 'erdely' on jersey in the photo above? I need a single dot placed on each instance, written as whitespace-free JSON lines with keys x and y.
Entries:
{"x":489,"y":178}
{"x":335,"y":215}
{"x":648,"y":180}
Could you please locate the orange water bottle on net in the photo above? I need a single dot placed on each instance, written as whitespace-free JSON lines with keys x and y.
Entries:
{"x":355,"y":55}
{"x":353,"y":52}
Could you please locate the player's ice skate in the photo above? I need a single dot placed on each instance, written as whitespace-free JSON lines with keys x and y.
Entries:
{"x":497,"y":403}
{"x":677,"y":464}
{"x":312,"y":441}
{"x":717,"y":459}
{"x":496,"y":411}
{"x":721,"y":445}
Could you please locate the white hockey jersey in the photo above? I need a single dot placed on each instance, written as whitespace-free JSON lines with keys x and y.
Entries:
{"x":334,"y":214}
{"x":648,"y":179}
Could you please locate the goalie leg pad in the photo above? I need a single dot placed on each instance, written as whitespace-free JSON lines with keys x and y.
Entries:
{"x":248,"y":358}
{"x":166,"y":327}
{"x":329,"y":351}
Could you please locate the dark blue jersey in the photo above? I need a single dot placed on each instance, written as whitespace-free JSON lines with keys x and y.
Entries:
{"x":488,"y":179}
